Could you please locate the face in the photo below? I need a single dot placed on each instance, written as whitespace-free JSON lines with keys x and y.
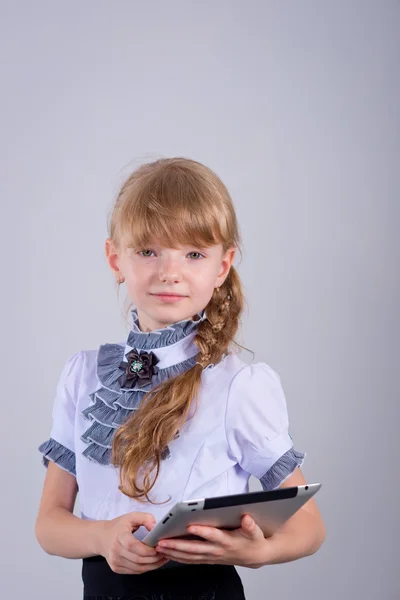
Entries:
{"x":185,"y":275}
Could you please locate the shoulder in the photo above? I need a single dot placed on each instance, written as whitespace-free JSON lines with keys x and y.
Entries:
{"x":79,"y":371}
{"x":77,"y":363}
{"x":254,"y":375}
{"x":256,"y":396}
{"x":239,"y":376}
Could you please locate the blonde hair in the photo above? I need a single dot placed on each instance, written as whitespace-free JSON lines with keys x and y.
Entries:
{"x":178,"y":201}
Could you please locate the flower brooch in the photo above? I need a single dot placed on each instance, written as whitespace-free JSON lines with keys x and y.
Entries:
{"x":139,"y":368}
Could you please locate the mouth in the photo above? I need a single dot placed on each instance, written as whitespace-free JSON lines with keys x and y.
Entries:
{"x":169,"y":295}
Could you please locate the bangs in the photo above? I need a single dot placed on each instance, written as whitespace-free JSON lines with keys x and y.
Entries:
{"x":174,"y":209}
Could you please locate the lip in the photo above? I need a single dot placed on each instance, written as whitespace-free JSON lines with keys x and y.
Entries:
{"x":169,"y":294}
{"x":169,"y":298}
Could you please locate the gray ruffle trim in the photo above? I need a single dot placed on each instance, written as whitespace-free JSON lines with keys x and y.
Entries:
{"x":160,"y":338}
{"x":283,"y":467}
{"x":112,"y":405}
{"x":59,"y":454}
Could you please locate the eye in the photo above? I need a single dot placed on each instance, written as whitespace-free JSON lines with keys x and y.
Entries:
{"x":198,"y":253}
{"x":147,"y":255}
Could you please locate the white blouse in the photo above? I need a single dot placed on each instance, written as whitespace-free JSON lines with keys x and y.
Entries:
{"x":240,"y":427}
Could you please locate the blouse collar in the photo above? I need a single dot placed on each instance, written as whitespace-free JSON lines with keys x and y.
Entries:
{"x":165,"y":347}
{"x":164,"y":336}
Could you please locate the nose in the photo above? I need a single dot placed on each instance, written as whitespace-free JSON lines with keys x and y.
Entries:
{"x":170,"y":270}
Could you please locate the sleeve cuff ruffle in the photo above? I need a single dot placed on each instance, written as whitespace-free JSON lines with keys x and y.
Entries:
{"x":282,"y":469}
{"x":59,"y":454}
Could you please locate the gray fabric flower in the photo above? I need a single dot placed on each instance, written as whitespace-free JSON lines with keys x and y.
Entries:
{"x":138,"y":369}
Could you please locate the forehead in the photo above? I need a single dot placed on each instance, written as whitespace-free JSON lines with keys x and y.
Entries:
{"x":183,"y":246}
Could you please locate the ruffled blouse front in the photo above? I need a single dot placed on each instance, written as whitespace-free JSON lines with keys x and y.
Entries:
{"x":122,"y":388}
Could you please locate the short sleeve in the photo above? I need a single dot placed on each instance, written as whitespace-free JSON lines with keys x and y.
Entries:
{"x":60,"y":447}
{"x":257,"y":426}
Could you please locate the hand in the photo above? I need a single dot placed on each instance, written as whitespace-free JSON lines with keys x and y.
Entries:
{"x":123,"y":552}
{"x":244,"y":546}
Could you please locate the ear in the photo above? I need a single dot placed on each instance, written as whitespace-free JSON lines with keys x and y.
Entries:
{"x":226,"y":264}
{"x":112,"y":256}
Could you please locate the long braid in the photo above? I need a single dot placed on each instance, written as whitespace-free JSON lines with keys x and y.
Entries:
{"x":217,"y":332}
{"x":139,"y":443}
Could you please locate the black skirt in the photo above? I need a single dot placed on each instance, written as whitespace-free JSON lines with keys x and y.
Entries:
{"x":178,"y":582}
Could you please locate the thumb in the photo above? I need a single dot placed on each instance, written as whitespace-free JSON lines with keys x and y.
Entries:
{"x":137,"y":519}
{"x":250,"y":528}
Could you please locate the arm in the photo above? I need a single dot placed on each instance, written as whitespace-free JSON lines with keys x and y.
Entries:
{"x":57,"y":530}
{"x":247,"y":546}
{"x":302,"y":535}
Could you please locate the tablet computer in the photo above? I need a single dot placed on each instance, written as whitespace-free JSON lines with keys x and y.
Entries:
{"x":269,"y":509}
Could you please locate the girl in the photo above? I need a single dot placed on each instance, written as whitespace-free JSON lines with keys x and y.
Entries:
{"x":172,"y":413}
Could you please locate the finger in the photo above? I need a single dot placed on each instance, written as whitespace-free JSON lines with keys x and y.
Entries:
{"x":135,"y":550}
{"x":250,"y":528}
{"x":142,"y":560}
{"x":248,"y":523}
{"x":132,"y":545}
{"x":136,"y":519}
{"x":126,"y":566}
{"x":200,"y":548}
{"x":150,"y":524}
{"x":211,"y":534}
{"x":190,"y":558}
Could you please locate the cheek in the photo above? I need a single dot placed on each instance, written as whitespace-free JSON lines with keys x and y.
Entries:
{"x":204,"y":277}
{"x":136,"y":286}
{"x":138,"y":274}
{"x":203,"y":285}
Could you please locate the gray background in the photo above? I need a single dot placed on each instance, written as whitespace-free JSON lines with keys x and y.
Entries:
{"x":295,"y":105}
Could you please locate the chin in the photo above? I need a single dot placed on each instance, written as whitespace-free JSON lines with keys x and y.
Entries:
{"x":171,"y":313}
